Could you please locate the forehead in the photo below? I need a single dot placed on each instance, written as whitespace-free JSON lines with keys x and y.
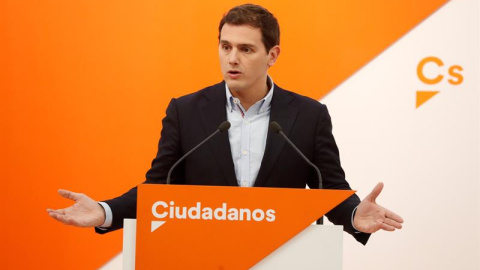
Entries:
{"x":241,"y":34}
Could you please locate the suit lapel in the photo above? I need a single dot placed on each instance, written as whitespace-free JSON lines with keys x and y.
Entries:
{"x":213,"y":113}
{"x":285,"y":115}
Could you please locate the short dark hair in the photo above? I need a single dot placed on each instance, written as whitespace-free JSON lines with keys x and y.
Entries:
{"x":255,"y":16}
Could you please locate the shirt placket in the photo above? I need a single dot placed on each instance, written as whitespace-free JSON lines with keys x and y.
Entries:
{"x":245,"y":152}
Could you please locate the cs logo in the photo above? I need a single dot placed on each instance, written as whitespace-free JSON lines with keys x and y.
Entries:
{"x":429,"y":71}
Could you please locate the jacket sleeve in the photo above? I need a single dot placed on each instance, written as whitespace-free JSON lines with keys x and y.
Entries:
{"x":169,"y":151}
{"x":328,"y":160}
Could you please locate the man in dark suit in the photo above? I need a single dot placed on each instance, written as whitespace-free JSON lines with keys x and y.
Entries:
{"x":249,"y":154}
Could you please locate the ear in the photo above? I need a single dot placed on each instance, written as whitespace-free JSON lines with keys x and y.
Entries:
{"x":273,"y":55}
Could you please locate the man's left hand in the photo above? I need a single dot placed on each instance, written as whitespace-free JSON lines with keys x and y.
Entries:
{"x":371,"y":217}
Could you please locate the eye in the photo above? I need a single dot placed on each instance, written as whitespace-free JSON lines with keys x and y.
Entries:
{"x":225,"y":47}
{"x":246,"y":50}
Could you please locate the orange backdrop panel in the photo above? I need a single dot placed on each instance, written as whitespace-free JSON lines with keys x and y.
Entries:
{"x":84,"y":86}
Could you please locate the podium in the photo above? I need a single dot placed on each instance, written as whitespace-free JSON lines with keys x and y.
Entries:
{"x":206,"y":227}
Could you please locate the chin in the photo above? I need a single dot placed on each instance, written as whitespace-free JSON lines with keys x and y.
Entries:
{"x":234,"y":85}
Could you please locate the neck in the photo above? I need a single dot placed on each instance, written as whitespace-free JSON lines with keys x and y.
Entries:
{"x":248,"y":97}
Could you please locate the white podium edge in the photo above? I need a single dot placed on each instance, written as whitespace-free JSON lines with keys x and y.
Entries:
{"x":316,"y":247}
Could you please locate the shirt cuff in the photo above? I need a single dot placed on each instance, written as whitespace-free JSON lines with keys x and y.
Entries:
{"x":353,"y":215}
{"x":108,"y":215}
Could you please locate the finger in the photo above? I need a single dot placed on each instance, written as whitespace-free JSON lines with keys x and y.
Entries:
{"x":53,"y":215}
{"x":60,"y":211}
{"x":63,"y":218}
{"x":56,"y":216}
{"x":387,"y":227}
{"x":391,"y":215}
{"x":392,"y":223}
{"x":69,"y":194}
{"x":375,"y":192}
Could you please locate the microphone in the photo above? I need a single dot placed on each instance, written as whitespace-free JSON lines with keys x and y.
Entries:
{"x":275,"y":127}
{"x":221,"y":128}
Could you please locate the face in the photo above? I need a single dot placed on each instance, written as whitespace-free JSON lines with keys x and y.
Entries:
{"x":243,"y":59}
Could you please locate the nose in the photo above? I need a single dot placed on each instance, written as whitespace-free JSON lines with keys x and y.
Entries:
{"x":233,"y":57}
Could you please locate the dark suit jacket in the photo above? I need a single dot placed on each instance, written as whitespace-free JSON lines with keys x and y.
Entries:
{"x":191,"y":118}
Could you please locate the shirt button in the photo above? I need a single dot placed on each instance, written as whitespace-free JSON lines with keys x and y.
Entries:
{"x":245,"y":152}
{"x":244,"y":183}
{"x":235,"y":101}
{"x":246,"y":122}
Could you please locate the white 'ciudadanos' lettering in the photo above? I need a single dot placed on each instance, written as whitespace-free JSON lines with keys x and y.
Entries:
{"x":161,"y":209}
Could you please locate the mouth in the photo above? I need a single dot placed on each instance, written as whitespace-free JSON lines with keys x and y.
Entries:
{"x":234,"y":74}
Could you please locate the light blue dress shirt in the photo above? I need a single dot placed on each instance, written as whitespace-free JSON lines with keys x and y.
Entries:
{"x":248,"y":135}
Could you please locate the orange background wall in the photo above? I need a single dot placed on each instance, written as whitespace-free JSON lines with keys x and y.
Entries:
{"x":84,"y":86}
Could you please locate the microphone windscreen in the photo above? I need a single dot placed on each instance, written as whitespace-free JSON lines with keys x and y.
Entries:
{"x":224,"y":126}
{"x":274,"y":126}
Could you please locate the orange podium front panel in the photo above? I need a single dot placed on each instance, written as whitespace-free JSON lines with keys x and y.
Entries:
{"x":210,"y":227}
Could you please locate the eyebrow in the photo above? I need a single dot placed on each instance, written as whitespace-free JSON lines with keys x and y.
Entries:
{"x":239,"y":45}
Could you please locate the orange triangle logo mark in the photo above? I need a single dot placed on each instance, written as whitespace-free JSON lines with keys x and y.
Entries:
{"x":424,"y":96}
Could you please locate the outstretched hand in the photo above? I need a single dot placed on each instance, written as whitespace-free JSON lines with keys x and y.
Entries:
{"x":86,"y":212}
{"x":371,"y":217}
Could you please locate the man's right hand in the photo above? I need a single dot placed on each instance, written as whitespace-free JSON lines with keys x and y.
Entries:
{"x":84,"y":213}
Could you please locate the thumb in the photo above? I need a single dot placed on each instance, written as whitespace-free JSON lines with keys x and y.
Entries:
{"x":69,"y":194}
{"x":375,"y":192}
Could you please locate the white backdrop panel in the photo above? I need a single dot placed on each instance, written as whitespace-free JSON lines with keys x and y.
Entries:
{"x":427,"y":157}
